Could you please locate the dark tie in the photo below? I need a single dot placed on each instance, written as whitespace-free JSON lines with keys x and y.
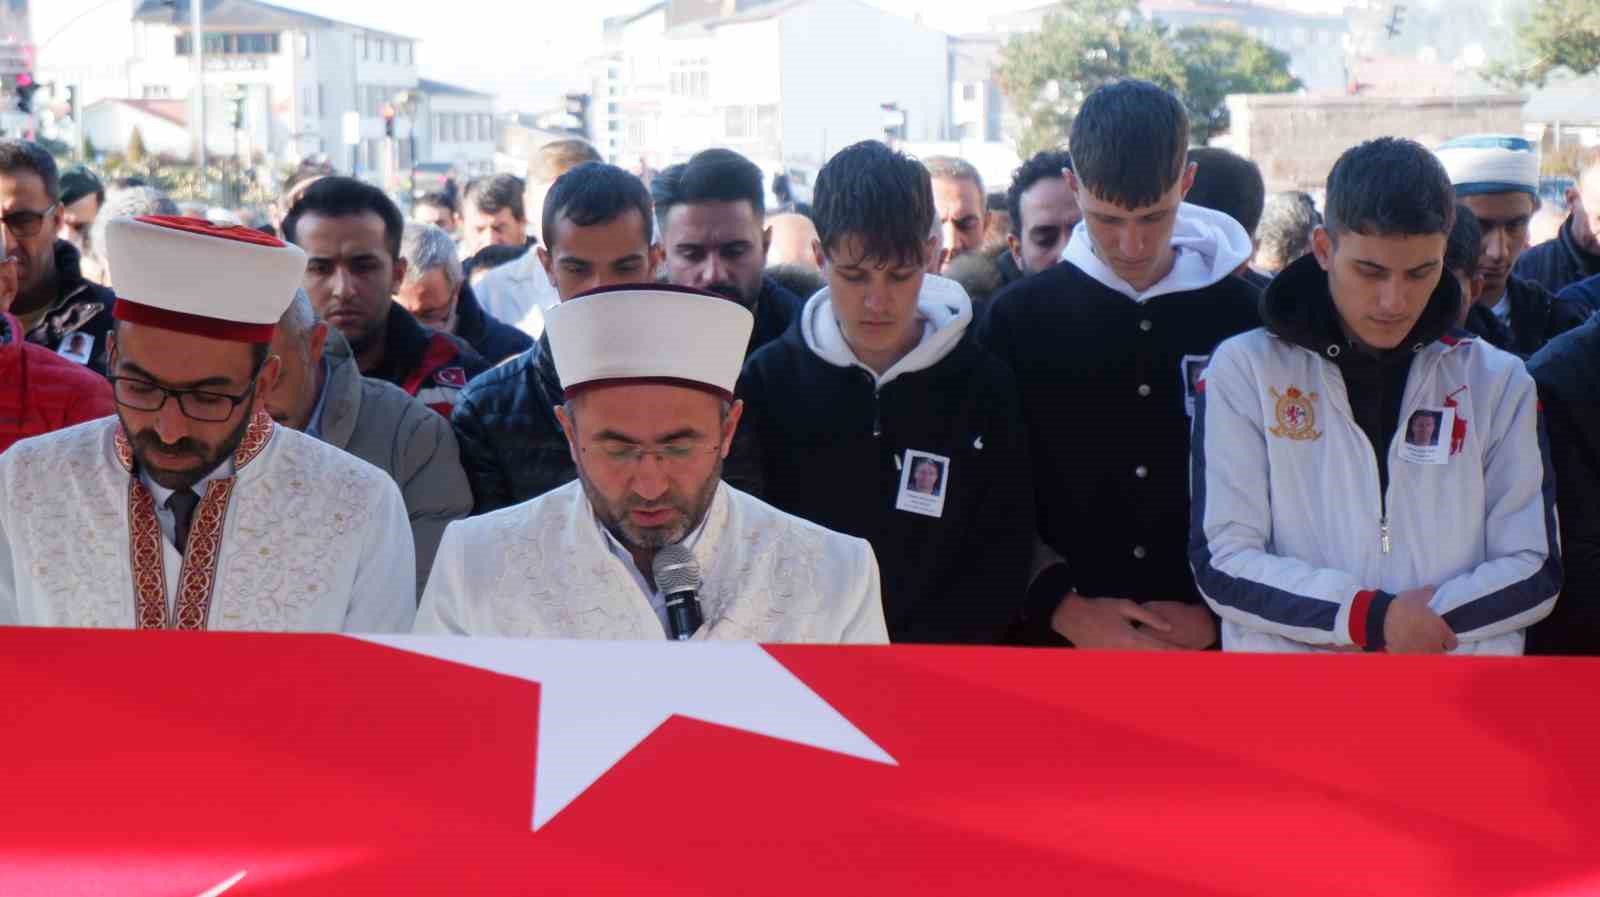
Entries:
{"x":182,"y":505}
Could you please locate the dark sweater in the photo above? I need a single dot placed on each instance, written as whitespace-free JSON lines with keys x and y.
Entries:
{"x":1568,"y":374}
{"x":1554,"y":264}
{"x":1536,"y":318}
{"x":1103,"y":391}
{"x":830,"y":447}
{"x":490,"y":337}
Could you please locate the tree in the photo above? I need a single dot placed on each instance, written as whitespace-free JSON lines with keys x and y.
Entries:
{"x":136,"y":150}
{"x":1085,"y":44}
{"x":1558,"y":34}
{"x":1082,"y":45}
{"x":1218,"y":62}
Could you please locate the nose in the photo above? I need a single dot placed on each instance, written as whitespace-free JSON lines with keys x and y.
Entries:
{"x":171,"y":425}
{"x":713,"y":270}
{"x":1391,"y":298}
{"x":649,"y":479}
{"x":339,"y":282}
{"x":1131,"y":242}
{"x":1494,"y":246}
{"x":948,"y":228}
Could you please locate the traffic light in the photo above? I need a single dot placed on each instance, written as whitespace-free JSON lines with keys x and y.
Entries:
{"x":72,"y":101}
{"x":26,"y":88}
{"x":388,"y":120}
{"x":236,"y":113}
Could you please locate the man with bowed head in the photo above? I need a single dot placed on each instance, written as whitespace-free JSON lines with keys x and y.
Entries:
{"x":192,"y":509}
{"x":647,"y":376}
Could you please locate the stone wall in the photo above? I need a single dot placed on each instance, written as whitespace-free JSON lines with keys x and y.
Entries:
{"x":1296,"y":139}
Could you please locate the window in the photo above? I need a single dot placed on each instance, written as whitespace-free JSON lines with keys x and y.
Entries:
{"x":232,"y":43}
{"x":366,"y":48}
{"x":411,"y":50}
{"x":736,"y":124}
{"x":156,"y":92}
{"x":322,"y":99}
{"x":306,"y":108}
{"x":305,"y":44}
{"x":969,"y":92}
{"x":690,"y":78}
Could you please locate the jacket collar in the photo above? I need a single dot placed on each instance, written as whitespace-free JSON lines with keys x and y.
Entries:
{"x":405,"y":341}
{"x":1586,"y":263}
{"x":341,"y":394}
{"x":471,"y":319}
{"x":1298,"y":307}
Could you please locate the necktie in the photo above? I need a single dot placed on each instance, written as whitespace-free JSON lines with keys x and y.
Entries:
{"x":182,"y":505}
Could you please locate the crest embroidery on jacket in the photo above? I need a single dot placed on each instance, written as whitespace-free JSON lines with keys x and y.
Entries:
{"x":1297,"y":415}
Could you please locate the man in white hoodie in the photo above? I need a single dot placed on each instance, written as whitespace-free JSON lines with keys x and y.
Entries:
{"x":882,"y":380}
{"x":1102,"y":348}
{"x":1322,"y":518}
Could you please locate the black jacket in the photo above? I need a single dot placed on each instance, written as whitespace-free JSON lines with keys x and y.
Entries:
{"x":1536,"y":318}
{"x":1103,"y":387}
{"x":1556,"y":263}
{"x":776,"y":309}
{"x":80,"y":307}
{"x":513,"y":447}
{"x":433,"y":367}
{"x":490,"y":337}
{"x":1568,"y":374}
{"x":830,"y":447}
{"x":1299,"y":308}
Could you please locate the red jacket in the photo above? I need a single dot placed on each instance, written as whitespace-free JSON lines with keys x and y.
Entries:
{"x":40,"y":391}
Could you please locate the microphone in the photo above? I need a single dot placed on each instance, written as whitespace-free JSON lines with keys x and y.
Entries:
{"x":677,"y":576}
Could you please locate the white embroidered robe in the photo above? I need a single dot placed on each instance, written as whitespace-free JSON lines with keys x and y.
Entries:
{"x":542,"y":569}
{"x":302,"y":538}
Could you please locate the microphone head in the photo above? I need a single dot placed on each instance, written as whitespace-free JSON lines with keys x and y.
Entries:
{"x":676,"y":570}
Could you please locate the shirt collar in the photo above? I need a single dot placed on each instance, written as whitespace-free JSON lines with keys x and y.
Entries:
{"x":161,"y":493}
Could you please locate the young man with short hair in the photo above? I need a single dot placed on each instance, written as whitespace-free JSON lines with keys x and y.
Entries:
{"x":880,"y":416}
{"x":1319,"y":523}
{"x":1102,"y":346}
{"x":1044,"y":212}
{"x":493,"y":213}
{"x":1497,"y":177}
{"x":597,"y":231}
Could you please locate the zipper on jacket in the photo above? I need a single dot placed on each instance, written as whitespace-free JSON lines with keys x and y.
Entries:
{"x":877,"y":410}
{"x":1383,"y":532}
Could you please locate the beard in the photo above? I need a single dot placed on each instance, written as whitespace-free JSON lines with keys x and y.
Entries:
{"x":209,"y":457}
{"x":616,"y":516}
{"x":739,"y":294}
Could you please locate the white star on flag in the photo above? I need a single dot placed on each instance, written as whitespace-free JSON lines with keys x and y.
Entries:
{"x":599,"y":700}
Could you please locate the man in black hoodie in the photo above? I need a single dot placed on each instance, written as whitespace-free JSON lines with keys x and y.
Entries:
{"x":880,"y":416}
{"x":710,"y":212}
{"x":1104,"y":346}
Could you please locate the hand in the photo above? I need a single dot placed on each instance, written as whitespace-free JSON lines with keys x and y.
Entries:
{"x":1411,"y":627}
{"x":1107,"y":623}
{"x":1193,"y":627}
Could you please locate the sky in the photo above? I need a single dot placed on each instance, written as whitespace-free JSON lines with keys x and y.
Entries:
{"x":526,"y":51}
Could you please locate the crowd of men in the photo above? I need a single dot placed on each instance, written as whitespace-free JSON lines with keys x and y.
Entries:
{"x":1134,"y":402}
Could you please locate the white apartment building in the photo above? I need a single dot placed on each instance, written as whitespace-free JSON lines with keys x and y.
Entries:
{"x":299,"y":75}
{"x":782,"y":81}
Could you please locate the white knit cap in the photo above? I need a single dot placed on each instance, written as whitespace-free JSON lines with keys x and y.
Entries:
{"x":1491,"y":163}
{"x":649,"y":334}
{"x":196,"y":277}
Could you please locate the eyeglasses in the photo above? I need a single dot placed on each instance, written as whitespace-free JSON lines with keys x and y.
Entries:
{"x":196,"y":404}
{"x":26,"y":223}
{"x":674,"y":457}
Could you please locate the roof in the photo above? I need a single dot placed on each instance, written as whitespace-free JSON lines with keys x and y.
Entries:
{"x":1569,"y":102}
{"x":174,"y":111}
{"x":439,"y":88}
{"x":243,"y":14}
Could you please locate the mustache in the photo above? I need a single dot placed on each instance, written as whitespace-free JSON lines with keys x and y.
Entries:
{"x":728,"y":291}
{"x":148,"y":441}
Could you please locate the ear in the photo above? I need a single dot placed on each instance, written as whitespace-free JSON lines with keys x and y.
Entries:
{"x":267,"y":380}
{"x":1072,"y":182}
{"x":1014,"y":243}
{"x":570,"y":429}
{"x":399,"y":275}
{"x":656,"y":256}
{"x":1478,"y":287}
{"x":545,"y":262}
{"x":1322,"y":247}
{"x":1187,"y":182}
{"x":766,"y":240}
{"x":1574,"y":198}
{"x":731,"y":426}
{"x":316,"y":341}
{"x":816,"y":254}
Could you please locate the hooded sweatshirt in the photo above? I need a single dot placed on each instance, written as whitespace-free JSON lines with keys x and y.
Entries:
{"x":1106,"y":374}
{"x":832,"y":441}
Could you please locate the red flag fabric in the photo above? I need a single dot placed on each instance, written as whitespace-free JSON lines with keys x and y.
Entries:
{"x":168,"y":763}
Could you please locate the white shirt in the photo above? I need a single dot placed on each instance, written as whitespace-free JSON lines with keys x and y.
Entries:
{"x":658,"y":601}
{"x":519,"y":293}
{"x":164,"y":514}
{"x":543,"y":569}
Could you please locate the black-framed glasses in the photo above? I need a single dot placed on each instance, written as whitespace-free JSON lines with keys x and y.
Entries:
{"x":25,"y":223}
{"x":196,"y":404}
{"x":674,"y":457}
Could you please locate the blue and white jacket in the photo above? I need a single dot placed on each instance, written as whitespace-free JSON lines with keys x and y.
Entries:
{"x":1291,"y":542}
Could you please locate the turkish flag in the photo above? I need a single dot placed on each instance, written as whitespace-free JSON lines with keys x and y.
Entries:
{"x":167,"y":763}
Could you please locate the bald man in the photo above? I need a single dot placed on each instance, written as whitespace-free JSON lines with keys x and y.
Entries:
{"x":794,"y":242}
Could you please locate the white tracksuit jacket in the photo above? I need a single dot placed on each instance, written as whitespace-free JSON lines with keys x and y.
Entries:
{"x":1294,"y":548}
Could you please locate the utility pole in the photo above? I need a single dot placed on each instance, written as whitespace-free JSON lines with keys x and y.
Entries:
{"x":198,"y":113}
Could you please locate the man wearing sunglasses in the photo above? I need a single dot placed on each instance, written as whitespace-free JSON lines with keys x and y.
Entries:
{"x":647,"y":376}
{"x":56,"y":306}
{"x":192,"y":509}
